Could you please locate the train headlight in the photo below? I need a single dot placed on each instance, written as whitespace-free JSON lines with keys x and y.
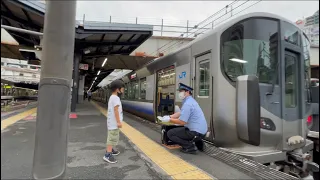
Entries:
{"x":267,"y":124}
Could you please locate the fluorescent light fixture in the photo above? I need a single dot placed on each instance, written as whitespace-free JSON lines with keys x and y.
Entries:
{"x":98,"y":73}
{"x":87,"y":51}
{"x":238,"y":60}
{"x":104,"y":62}
{"x":27,"y":50}
{"x":95,"y":79}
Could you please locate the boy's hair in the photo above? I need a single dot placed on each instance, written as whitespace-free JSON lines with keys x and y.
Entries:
{"x":117,"y":84}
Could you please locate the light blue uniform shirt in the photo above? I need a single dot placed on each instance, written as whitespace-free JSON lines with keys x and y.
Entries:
{"x":192,"y":114}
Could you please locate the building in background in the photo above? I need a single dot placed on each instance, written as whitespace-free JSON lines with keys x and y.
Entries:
{"x":310,"y":26}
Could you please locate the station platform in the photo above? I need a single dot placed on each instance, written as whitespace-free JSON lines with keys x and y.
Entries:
{"x":142,"y":155}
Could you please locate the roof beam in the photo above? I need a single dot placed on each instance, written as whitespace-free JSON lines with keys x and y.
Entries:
{"x":126,"y":52}
{"x":117,"y":40}
{"x":19,"y":20}
{"x":98,"y":47}
{"x":6,"y":7}
{"x":90,"y":31}
{"x":131,"y":37}
{"x":18,"y":35}
{"x":109,"y":43}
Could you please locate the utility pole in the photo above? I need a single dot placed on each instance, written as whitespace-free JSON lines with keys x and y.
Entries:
{"x":52,"y":126}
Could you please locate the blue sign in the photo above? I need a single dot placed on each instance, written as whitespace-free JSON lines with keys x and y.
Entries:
{"x":182,"y":75}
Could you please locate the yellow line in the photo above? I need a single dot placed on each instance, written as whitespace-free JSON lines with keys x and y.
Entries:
{"x":174,"y":166}
{"x":11,"y":120}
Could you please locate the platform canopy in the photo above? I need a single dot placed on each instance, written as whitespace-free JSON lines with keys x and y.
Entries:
{"x":94,"y":40}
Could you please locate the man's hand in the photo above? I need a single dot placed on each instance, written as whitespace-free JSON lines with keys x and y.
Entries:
{"x":119,"y":125}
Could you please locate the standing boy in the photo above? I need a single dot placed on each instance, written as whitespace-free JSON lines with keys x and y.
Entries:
{"x":115,"y":117}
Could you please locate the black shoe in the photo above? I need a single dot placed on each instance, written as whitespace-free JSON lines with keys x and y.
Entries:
{"x":189,"y":150}
{"x":200,"y":145}
{"x":109,"y":158}
{"x":115,"y":152}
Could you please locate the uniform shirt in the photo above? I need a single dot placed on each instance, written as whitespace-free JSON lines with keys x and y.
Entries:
{"x":114,"y":101}
{"x":192,"y":114}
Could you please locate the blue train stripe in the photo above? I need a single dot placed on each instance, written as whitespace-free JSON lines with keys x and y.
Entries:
{"x":146,"y":108}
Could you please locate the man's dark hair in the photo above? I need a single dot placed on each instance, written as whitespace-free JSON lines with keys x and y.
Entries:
{"x":188,"y":91}
{"x":117,"y":84}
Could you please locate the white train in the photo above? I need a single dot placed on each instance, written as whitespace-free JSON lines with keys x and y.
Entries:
{"x":251,"y":77}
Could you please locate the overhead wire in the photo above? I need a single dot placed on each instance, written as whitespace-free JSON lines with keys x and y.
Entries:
{"x":196,"y":26}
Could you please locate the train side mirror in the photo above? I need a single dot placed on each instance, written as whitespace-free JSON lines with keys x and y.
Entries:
{"x":248,"y":113}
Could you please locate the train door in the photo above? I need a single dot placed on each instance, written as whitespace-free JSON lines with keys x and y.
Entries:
{"x":291,"y":93}
{"x":166,"y":90}
{"x":202,"y":86}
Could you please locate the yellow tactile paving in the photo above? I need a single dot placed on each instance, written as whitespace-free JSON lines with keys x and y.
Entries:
{"x":191,"y":175}
{"x":174,"y":166}
{"x":11,"y":120}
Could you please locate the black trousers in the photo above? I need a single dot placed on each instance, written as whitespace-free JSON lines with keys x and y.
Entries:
{"x":183,"y":136}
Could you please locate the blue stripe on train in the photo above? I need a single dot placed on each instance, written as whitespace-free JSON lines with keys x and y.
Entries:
{"x":128,"y":105}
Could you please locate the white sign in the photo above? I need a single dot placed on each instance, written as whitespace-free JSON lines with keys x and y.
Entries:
{"x":83,"y":66}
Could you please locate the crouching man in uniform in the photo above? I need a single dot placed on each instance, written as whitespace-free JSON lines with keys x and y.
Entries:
{"x":193,"y":120}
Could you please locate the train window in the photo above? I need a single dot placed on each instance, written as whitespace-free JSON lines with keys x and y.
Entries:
{"x":135,"y":88}
{"x":291,"y":33}
{"x":130,"y":91}
{"x":21,"y":74}
{"x":290,"y":80}
{"x":251,"y":47}
{"x":143,"y":87}
{"x":204,"y":71}
{"x":126,"y":91}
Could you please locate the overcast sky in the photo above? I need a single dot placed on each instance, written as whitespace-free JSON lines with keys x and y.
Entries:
{"x":186,"y":10}
{"x":178,"y":12}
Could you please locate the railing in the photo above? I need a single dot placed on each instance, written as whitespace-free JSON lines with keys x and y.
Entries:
{"x":190,"y":28}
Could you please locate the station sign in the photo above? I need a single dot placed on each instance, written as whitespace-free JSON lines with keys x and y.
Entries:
{"x":84,"y":66}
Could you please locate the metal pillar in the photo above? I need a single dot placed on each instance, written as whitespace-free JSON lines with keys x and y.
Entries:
{"x":76,"y":62}
{"x":81,"y":89}
{"x":50,"y":152}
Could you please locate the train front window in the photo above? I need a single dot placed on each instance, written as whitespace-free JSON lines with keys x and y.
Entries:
{"x":251,"y":48}
{"x":306,"y":55}
{"x":291,"y":34}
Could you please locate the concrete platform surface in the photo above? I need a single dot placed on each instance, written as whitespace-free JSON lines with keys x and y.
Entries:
{"x":87,"y":137}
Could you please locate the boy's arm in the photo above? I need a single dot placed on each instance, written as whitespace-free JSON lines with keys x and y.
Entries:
{"x":116,"y":113}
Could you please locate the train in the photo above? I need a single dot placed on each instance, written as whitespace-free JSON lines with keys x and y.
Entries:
{"x":8,"y":90}
{"x":251,"y":77}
